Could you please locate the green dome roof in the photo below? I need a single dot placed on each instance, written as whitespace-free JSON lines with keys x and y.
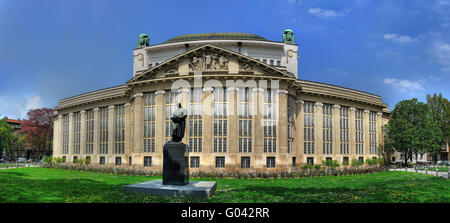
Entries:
{"x":214,"y":36}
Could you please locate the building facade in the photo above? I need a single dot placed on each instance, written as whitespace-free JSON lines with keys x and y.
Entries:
{"x":247,"y":110}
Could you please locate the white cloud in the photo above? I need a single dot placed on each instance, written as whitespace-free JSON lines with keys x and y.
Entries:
{"x":327,"y":13}
{"x":30,"y":103}
{"x":294,"y":1}
{"x":405,"y":86}
{"x":399,"y":38}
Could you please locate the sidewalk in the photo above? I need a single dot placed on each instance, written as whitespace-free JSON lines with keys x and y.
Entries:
{"x":441,"y":174}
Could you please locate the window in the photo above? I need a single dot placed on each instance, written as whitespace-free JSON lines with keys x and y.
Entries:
{"x":88,"y":159}
{"x":264,"y":61}
{"x":147,"y":161}
{"x":310,"y":160}
{"x":89,"y":131}
{"x":328,"y":158}
{"x":65,"y":148}
{"x":76,"y":132}
{"x":119,"y":126}
{"x":171,"y":106}
{"x":195,"y":161}
{"x":75,"y":158}
{"x":373,"y":133}
{"x":345,"y":160}
{"x":374,"y":157}
{"x":290,"y":122}
{"x":294,"y":161}
{"x":103,"y":130}
{"x":195,"y":121}
{"x":129,"y":161}
{"x":102,"y":160}
{"x":361,"y":159}
{"x":359,"y":131}
{"x":327,"y":128}
{"x":64,"y":159}
{"x":270,"y":121}
{"x":245,"y":162}
{"x":308,"y":127}
{"x":278,"y":63}
{"x":220,"y":120}
{"x":220,"y":161}
{"x":118,"y":160}
{"x":343,"y":124}
{"x":271,"y":62}
{"x":149,"y":122}
{"x":245,"y":120}
{"x":270,"y":162}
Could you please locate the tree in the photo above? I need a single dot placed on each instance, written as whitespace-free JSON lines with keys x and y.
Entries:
{"x":38,"y":130}
{"x":7,"y":136}
{"x":411,"y":129}
{"x":440,"y":111}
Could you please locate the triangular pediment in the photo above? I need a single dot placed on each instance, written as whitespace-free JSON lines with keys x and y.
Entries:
{"x":209,"y":59}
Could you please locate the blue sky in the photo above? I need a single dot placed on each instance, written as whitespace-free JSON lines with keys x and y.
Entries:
{"x":50,"y":50}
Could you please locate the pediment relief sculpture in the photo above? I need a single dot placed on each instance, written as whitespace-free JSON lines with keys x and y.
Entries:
{"x":243,"y":66}
{"x":208,"y":61}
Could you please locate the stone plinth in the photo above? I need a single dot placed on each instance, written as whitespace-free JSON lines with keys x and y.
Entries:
{"x":175,"y":164}
{"x":193,"y":188}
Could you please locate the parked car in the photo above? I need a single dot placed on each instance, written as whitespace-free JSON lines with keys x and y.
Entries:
{"x":444,"y":163}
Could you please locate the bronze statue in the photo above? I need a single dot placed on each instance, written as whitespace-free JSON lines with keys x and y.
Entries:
{"x":179,"y":123}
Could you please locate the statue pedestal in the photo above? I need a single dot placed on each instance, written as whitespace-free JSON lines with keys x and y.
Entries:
{"x":175,"y":164}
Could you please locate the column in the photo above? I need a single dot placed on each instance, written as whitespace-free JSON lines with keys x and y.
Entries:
{"x":336,"y":130}
{"x":257,"y":105}
{"x":207,"y":116}
{"x":96,"y":132}
{"x":159,"y":122}
{"x":70,"y":137}
{"x":366,"y":135}
{"x":138,"y":127}
{"x":318,"y":130}
{"x":57,"y":132}
{"x":351,"y":134}
{"x":282,"y":136}
{"x":128,"y":145}
{"x":299,"y":133}
{"x":111,"y":133}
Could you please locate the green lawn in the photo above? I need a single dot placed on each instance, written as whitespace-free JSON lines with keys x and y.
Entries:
{"x":53,"y":185}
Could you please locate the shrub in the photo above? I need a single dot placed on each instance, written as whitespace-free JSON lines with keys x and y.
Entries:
{"x":356,"y":163}
{"x":48,"y":159}
{"x":317,"y":167}
{"x":307,"y":166}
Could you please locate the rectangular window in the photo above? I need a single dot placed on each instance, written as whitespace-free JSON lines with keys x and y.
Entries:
{"x":278,"y":63}
{"x":88,"y":159}
{"x":170,"y":107}
{"x":102,"y":160}
{"x":310,"y":160}
{"x":270,"y":162}
{"x":373,"y":132}
{"x":220,"y":120}
{"x":327,"y":128}
{"x":129,"y":161}
{"x":264,"y":61}
{"x":76,"y":132}
{"x":294,"y":161}
{"x":149,"y":122}
{"x":119,"y":128}
{"x":195,"y":120}
{"x":147,"y":161}
{"x":308,"y":127}
{"x":103,"y":130}
{"x":75,"y":158}
{"x":245,"y":119}
{"x":271,"y":62}
{"x":220,"y":162}
{"x":361,"y":159}
{"x":65,"y":148}
{"x":195,"y":161}
{"x":89,"y":131}
{"x":118,"y":160}
{"x":64,"y":159}
{"x":359,"y":131}
{"x":270,"y":121}
{"x":345,"y":161}
{"x":343,"y":124}
{"x":328,"y":158}
{"x":245,"y":162}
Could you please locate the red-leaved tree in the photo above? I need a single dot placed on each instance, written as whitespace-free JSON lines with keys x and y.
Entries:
{"x":38,"y":130}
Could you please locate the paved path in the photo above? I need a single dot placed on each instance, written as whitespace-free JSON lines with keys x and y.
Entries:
{"x":26,"y":165}
{"x":441,"y":174}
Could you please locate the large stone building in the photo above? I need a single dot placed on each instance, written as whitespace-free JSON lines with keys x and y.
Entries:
{"x":247,"y":109}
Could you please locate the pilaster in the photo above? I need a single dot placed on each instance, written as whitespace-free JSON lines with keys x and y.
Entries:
{"x":111,"y":132}
{"x":257,"y":108}
{"x":379,"y":122}
{"x":70,"y":136}
{"x":128,"y":145}
{"x":207,"y":116}
{"x":96,"y":131}
{"x":299,"y":133}
{"x":351,"y":133}
{"x":282,"y":137}
{"x":318,"y":130}
{"x":159,"y":122}
{"x":366,"y":134}
{"x":83,"y":132}
{"x":138,"y":127}
{"x":233,"y":128}
{"x":336,"y":130}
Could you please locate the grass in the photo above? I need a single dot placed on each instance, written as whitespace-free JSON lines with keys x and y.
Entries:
{"x":55,"y":185}
{"x":440,"y":169}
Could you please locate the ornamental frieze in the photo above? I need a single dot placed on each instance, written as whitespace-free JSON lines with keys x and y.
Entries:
{"x":208,"y":61}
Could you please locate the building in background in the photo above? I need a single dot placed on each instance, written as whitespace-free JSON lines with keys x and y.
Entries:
{"x":263,"y":117}
{"x":19,"y":150}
